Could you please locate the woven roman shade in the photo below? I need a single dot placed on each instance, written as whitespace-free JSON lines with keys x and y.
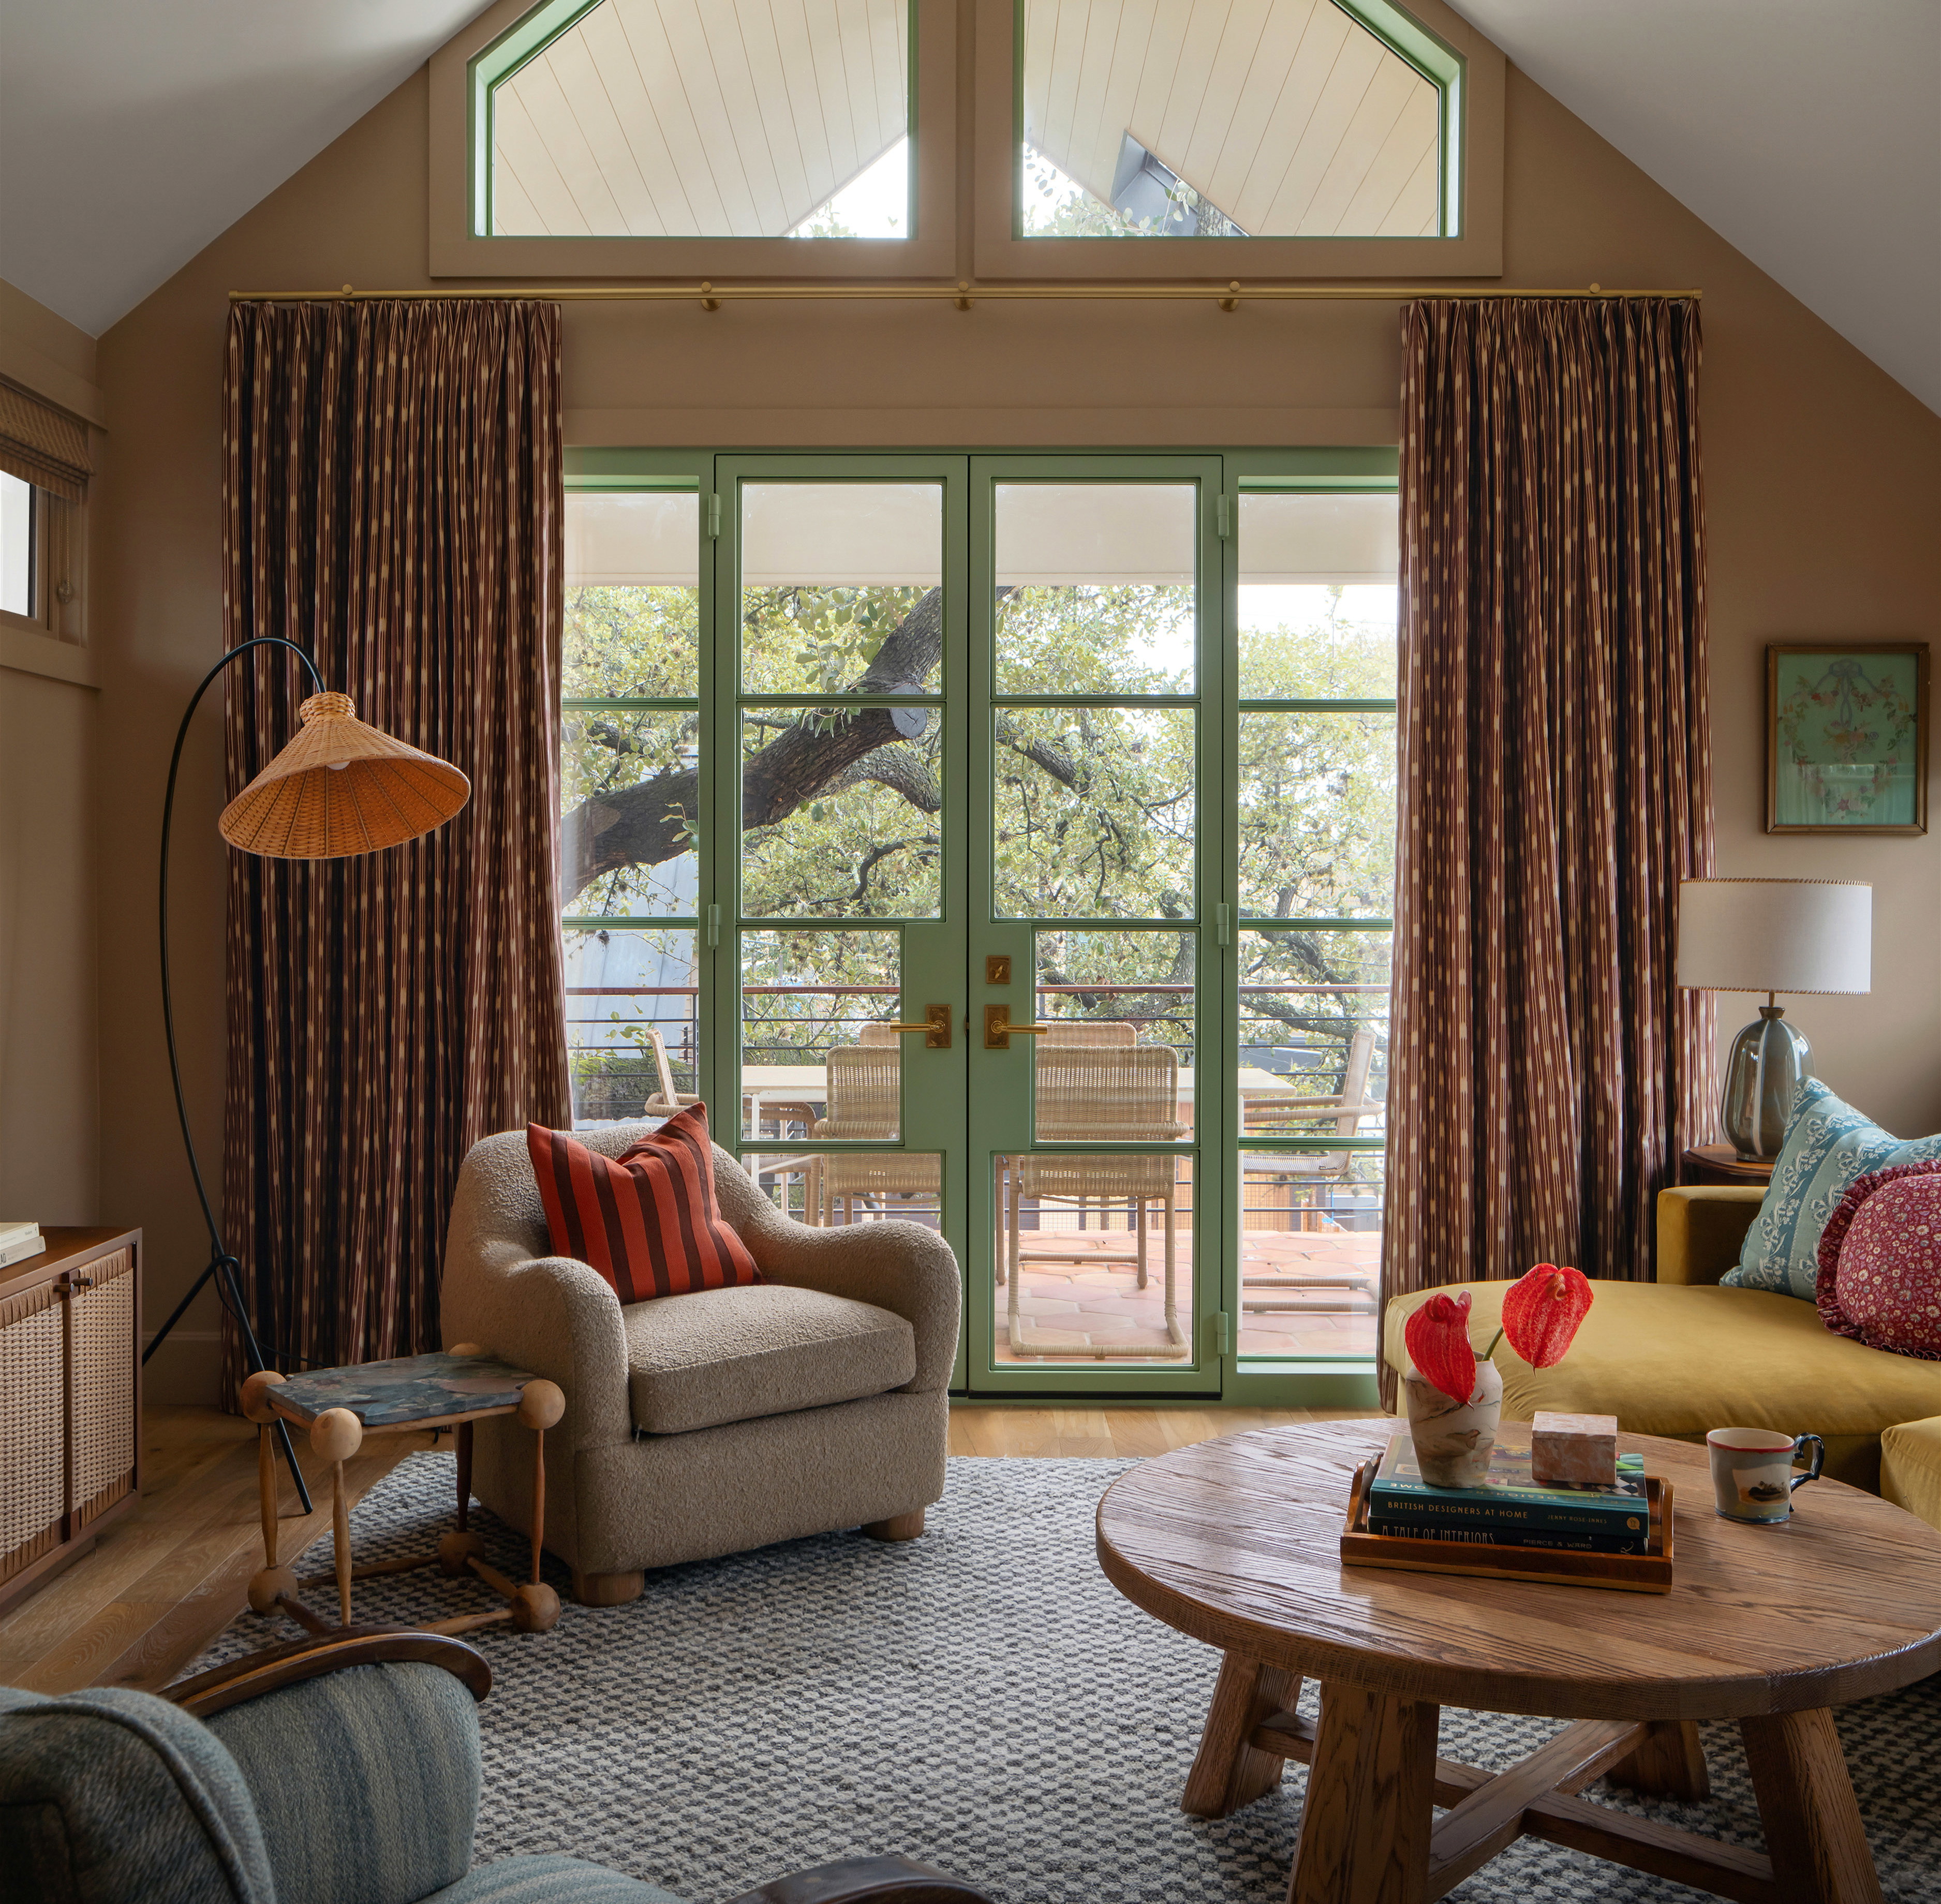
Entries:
{"x":43,"y":445}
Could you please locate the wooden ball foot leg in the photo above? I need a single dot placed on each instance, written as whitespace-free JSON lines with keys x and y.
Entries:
{"x":268,"y":1585}
{"x":455,"y":1552}
{"x":535,"y":1608}
{"x":901,"y":1527}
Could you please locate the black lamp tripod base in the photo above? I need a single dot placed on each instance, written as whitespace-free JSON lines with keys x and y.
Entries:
{"x":223,"y":1267}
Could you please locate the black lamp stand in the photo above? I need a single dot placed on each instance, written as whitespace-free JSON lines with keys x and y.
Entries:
{"x":222,"y":1266}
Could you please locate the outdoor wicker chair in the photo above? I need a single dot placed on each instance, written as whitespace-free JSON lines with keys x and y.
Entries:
{"x":1116,"y":1093}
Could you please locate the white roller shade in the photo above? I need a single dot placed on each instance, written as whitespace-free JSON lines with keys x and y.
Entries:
{"x":1343,"y":540}
{"x":841,"y":535}
{"x":635,"y":539}
{"x":1051,"y":535}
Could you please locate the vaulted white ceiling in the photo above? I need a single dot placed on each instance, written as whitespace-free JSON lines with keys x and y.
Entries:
{"x":1807,"y":132}
{"x":133,"y":132}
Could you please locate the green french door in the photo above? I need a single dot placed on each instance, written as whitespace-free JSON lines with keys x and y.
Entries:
{"x":946,"y":824}
{"x":1095,"y":887}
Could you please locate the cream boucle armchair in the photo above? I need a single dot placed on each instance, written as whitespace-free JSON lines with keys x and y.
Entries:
{"x":709,"y":1423}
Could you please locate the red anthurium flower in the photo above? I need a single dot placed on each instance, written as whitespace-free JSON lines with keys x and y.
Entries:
{"x":1541,"y":1311}
{"x":1438,"y":1335}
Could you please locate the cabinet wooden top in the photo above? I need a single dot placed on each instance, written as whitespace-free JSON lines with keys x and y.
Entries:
{"x":68,"y":1248}
{"x":1236,"y":1542}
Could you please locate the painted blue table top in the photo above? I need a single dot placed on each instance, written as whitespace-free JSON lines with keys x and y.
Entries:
{"x":413,"y":1387}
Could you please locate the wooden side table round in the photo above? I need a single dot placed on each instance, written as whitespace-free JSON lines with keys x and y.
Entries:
{"x":340,"y":1407}
{"x":1720,"y":1163}
{"x":1235,"y":1542}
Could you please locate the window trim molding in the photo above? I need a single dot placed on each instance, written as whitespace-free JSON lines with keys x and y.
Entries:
{"x":516,"y":30}
{"x":1475,"y":171}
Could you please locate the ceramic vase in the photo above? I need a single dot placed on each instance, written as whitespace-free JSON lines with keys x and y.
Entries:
{"x":1453,"y":1439}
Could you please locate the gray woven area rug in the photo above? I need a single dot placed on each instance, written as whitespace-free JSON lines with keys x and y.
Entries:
{"x":981,"y":1699}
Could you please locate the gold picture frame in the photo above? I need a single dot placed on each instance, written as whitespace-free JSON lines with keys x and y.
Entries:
{"x":1846,"y":736}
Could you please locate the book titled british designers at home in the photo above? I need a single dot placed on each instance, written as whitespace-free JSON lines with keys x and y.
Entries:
{"x":1508,"y":1503}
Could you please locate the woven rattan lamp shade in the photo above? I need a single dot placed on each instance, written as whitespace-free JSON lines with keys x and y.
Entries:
{"x":341,"y":787}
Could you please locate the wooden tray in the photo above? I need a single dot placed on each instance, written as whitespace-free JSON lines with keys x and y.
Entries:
{"x":1649,"y":1573}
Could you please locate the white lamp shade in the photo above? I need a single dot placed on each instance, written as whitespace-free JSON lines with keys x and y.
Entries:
{"x":1775,"y":935}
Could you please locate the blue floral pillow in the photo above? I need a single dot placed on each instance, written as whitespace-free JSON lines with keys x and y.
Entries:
{"x":1828,"y":1144}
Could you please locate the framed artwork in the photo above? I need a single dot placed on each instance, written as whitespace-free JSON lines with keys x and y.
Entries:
{"x":1846,"y":736}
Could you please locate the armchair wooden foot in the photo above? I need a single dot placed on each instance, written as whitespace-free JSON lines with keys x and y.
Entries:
{"x":607,"y":1589}
{"x":902,"y":1526}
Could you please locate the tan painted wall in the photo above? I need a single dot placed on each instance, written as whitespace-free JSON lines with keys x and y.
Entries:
{"x":50,"y":1082}
{"x":1825,"y":485}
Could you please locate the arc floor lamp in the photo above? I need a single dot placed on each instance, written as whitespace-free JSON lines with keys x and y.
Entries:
{"x":339,"y":787}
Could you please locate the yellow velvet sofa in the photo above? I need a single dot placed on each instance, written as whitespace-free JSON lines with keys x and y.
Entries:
{"x":1681,"y":1355}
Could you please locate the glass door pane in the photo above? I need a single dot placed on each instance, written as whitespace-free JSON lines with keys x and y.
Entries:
{"x":1314,"y":794}
{"x":630,"y":763}
{"x":1091,"y":658}
{"x":842,"y":586}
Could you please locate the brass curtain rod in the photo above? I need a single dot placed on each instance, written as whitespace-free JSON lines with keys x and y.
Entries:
{"x":963,"y":295}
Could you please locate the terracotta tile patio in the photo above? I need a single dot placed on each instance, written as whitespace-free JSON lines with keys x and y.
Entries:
{"x":1103,"y":1301}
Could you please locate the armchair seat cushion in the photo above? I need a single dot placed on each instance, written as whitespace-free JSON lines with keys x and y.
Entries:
{"x":722,"y":1355}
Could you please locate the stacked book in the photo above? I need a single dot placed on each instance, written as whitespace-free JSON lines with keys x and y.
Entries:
{"x":18,"y":1241}
{"x":1510,"y":1509}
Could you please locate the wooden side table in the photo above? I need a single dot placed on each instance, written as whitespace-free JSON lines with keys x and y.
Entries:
{"x":340,"y":1407}
{"x":1720,"y":1163}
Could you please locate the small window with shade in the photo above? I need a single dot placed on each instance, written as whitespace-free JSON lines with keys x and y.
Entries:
{"x":44,"y":466}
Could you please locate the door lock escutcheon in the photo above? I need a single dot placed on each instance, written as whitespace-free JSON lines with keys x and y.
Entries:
{"x":998,"y":1027}
{"x":998,"y":969}
{"x":935,"y":1024}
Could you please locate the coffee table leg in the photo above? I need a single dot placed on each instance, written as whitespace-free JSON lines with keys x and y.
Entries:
{"x":1365,"y":1828}
{"x":1228,"y":1771}
{"x":1670,"y":1763}
{"x":1813,"y":1828}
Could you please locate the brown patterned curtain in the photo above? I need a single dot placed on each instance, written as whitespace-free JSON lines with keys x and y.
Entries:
{"x":393,"y":501}
{"x":1556,"y":785}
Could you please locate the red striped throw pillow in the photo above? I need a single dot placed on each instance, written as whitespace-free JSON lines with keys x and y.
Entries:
{"x":647,"y":1220}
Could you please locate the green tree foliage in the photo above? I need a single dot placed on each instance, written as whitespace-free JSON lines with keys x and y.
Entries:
{"x":1094,"y":807}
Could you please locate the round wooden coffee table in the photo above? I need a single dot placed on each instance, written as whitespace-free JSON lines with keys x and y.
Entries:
{"x":1235,"y":1542}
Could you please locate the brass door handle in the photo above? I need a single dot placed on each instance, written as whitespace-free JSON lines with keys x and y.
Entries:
{"x":935,"y":1023}
{"x":998,"y":1027}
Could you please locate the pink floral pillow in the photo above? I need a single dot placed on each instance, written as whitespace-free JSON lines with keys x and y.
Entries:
{"x":1880,"y":1262}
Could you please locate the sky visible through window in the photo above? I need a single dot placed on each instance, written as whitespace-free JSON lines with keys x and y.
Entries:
{"x":875,"y":204}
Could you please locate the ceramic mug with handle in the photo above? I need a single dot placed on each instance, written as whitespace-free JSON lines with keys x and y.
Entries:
{"x":1754,"y":1473}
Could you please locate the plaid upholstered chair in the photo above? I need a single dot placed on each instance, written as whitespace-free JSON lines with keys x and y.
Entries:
{"x":326,"y":1771}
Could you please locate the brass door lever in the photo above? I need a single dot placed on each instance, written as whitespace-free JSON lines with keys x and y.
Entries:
{"x":998,"y":1027}
{"x":935,"y":1024}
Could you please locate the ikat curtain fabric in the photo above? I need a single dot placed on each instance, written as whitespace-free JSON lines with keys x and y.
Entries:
{"x":1555,"y":785}
{"x":393,"y":501}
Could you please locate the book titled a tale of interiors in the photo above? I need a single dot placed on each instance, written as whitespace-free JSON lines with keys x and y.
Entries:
{"x":1510,"y":1509}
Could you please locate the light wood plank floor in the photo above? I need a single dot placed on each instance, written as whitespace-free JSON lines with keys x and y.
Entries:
{"x":166,"y":1580}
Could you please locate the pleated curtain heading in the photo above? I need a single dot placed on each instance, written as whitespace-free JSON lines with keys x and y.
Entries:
{"x":394,"y":502}
{"x":1555,"y":786}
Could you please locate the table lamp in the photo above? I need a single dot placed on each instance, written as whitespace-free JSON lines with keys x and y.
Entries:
{"x":1771,"y":935}
{"x":339,"y":787}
